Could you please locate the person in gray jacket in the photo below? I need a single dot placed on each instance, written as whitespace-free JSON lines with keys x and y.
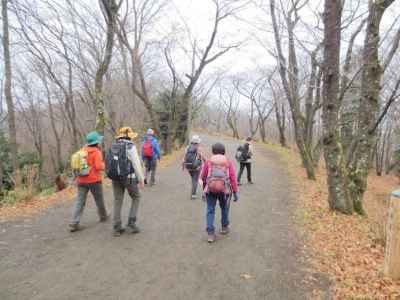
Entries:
{"x":131,"y":181}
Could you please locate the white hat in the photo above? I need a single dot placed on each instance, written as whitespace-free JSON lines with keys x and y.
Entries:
{"x":150,"y":131}
{"x":196,"y":139}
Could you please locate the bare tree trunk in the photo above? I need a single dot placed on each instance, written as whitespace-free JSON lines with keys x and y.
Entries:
{"x":334,"y":158}
{"x":253,"y":128}
{"x":369,"y":105}
{"x":8,"y":93}
{"x":280,"y":120}
{"x":263,"y":132}
{"x":289,"y":77}
{"x":110,"y":9}
{"x":59,"y":161}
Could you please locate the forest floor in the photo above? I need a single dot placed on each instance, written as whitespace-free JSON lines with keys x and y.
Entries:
{"x":349,"y":248}
{"x":261,"y":258}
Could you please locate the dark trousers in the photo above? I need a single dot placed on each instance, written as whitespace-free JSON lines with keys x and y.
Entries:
{"x":195,"y":174}
{"x":248,"y":168}
{"x":150,"y":164}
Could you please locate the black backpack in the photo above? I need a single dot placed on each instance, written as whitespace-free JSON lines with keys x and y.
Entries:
{"x":243,"y":154}
{"x":118,"y":165}
{"x":192,"y":160}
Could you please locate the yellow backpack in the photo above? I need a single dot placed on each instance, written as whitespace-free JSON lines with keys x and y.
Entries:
{"x":79,"y":163}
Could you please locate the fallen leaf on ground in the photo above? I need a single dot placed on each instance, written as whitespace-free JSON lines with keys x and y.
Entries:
{"x":246,"y":276}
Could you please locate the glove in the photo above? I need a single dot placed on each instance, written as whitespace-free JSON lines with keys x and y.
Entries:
{"x":235,"y":196}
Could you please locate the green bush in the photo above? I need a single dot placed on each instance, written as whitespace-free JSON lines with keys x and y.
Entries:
{"x":14,"y":196}
{"x":48,"y":191}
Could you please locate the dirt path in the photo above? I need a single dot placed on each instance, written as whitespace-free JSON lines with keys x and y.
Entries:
{"x":170,"y":259}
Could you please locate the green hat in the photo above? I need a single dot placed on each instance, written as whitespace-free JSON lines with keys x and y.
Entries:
{"x":93,"y":138}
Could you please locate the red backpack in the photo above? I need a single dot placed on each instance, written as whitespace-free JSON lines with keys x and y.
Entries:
{"x":218,"y":175}
{"x":148,"y":150}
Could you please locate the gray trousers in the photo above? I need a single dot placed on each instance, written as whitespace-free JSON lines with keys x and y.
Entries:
{"x":119,"y":187}
{"x":195,"y":180}
{"x":151,"y":166}
{"x":96,"y":189}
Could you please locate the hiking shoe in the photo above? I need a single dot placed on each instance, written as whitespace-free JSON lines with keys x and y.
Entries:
{"x":133,"y":228}
{"x":74,"y":227}
{"x":194,"y":197}
{"x":224,"y":230}
{"x":118,"y":232}
{"x":104,"y":219}
{"x":211,"y":238}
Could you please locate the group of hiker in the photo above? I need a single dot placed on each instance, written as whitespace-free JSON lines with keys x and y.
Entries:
{"x":123,"y":166}
{"x":218,"y":177}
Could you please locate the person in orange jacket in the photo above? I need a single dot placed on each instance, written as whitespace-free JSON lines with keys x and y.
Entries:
{"x":91,"y":182}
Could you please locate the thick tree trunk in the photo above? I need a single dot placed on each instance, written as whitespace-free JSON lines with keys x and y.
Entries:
{"x":8,"y":93}
{"x":369,"y":105}
{"x":233,"y":126}
{"x":281,"y":122}
{"x":263,"y":132}
{"x":333,"y":152}
{"x":253,"y":127}
{"x":110,"y":10}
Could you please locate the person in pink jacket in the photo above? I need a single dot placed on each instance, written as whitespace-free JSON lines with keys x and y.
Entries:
{"x":219,"y":184}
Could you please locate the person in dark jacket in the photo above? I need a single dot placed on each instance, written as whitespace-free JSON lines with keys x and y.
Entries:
{"x":192,"y":162}
{"x":245,"y":160}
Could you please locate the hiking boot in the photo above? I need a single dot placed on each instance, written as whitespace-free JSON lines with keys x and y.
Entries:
{"x":194,"y":197}
{"x":211,"y":238}
{"x":145,"y":181}
{"x":118,"y":232}
{"x":74,"y":227}
{"x":224,"y":230}
{"x":133,"y":228}
{"x":104,"y":219}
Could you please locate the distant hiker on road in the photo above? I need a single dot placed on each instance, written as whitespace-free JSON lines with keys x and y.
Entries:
{"x":192,"y":162}
{"x":219,"y":184}
{"x":123,"y":167}
{"x":150,"y":154}
{"x":243,"y":155}
{"x":87,"y":165}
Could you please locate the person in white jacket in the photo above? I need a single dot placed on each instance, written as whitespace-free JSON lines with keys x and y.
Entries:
{"x":131,"y":183}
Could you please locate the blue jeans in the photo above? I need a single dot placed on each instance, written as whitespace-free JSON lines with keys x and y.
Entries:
{"x":211,"y":203}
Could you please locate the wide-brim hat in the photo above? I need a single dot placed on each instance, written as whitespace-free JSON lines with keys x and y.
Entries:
{"x":126,"y":132}
{"x":93,"y":138}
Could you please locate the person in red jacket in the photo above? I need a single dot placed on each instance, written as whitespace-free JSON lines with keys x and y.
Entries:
{"x":91,"y":182}
{"x":219,"y":184}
